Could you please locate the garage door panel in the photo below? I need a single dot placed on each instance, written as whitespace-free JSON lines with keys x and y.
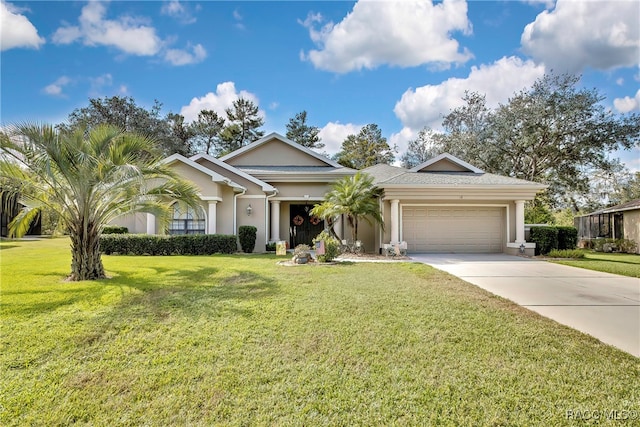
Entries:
{"x":453,"y":229}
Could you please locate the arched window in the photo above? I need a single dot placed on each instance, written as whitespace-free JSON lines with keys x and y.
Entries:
{"x":187,"y":221}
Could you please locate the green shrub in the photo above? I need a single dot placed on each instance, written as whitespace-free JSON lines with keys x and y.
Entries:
{"x":567,"y":237}
{"x":115,"y":229}
{"x":615,"y":245}
{"x":566,"y":253}
{"x":331,"y":247}
{"x":146,"y":244}
{"x":545,"y":238}
{"x":627,"y":246}
{"x":247,"y":237}
{"x":270,"y":247}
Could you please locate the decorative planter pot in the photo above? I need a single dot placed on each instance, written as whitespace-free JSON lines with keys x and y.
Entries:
{"x":302,"y":260}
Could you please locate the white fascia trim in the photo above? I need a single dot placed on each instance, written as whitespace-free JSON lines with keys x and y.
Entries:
{"x":467,"y":186}
{"x":215,"y":177}
{"x":287,"y":141}
{"x":297,"y":199}
{"x":449,"y":157}
{"x":265,"y":186}
{"x":303,"y":178}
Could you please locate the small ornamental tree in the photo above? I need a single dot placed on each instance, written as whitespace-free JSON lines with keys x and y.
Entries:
{"x":247,"y":237}
{"x":88,"y":179}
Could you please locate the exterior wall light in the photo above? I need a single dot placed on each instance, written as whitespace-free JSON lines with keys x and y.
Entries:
{"x":249,"y":210}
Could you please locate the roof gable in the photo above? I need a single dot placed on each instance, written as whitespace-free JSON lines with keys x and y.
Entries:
{"x":265,"y":186}
{"x":215,"y":177}
{"x":276,"y":150}
{"x":445,"y":162}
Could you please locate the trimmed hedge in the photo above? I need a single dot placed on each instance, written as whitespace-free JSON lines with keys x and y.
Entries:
{"x":115,"y":229}
{"x":545,"y":238}
{"x":147,"y":244}
{"x":247,"y":237}
{"x":567,"y":238}
{"x":548,"y":238}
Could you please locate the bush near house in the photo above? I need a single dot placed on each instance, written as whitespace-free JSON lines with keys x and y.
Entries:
{"x":545,"y":238}
{"x":247,"y":236}
{"x":548,"y":238}
{"x":115,"y":229}
{"x":144,"y":244}
{"x":614,"y":245}
{"x":567,"y":253}
{"x":567,"y":237}
{"x":331,"y":246}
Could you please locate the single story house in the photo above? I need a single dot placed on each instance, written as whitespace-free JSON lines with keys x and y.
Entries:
{"x":442,"y":205}
{"x":617,"y":222}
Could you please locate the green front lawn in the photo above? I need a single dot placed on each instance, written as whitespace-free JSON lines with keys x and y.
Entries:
{"x":239,"y":340}
{"x":623,"y":264}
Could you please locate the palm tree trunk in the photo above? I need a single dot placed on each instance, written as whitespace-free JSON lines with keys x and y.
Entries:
{"x":86,"y":262}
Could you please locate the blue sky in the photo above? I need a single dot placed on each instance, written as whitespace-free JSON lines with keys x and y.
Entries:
{"x":400,"y":64}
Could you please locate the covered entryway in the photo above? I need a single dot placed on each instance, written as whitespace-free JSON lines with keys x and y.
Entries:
{"x":303,"y":227}
{"x":454,"y":229}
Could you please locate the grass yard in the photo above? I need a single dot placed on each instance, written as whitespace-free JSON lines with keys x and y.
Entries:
{"x":623,"y":264}
{"x":238,"y":340}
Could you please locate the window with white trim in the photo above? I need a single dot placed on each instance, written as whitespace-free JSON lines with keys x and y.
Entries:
{"x":186,"y":220}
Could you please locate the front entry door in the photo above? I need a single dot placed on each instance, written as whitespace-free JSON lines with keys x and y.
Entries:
{"x":303,"y":227}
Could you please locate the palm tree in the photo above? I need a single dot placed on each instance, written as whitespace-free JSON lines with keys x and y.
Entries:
{"x":354,"y":196}
{"x":88,"y":179}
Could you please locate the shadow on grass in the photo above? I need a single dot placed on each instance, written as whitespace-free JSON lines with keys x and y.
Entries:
{"x":191,"y":295}
{"x":8,"y":246}
{"x":617,"y":261}
{"x":52,"y":298}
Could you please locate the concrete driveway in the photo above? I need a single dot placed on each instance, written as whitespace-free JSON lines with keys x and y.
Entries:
{"x":606,"y":306}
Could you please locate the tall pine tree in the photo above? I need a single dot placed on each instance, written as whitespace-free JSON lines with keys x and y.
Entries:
{"x":243,"y":128}
{"x":303,"y":134}
{"x":365,"y":149}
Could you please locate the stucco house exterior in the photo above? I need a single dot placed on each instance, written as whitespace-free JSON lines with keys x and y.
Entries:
{"x":443,"y":205}
{"x":617,"y":222}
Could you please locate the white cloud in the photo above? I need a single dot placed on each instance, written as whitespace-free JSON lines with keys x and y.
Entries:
{"x":627,"y":104}
{"x":238,"y":18}
{"x":179,"y":11}
{"x":399,"y":33}
{"x":578,"y":34}
{"x":402,"y":138}
{"x":127,"y":33}
{"x":426,"y":105}
{"x":334,"y":133}
{"x":55,"y":88}
{"x":98,"y":84}
{"x":16,"y":30}
{"x":184,"y":57}
{"x":224,"y":97}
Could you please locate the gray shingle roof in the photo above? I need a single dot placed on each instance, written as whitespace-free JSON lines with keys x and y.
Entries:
{"x":391,"y":175}
{"x":627,"y":206}
{"x":293,"y":169}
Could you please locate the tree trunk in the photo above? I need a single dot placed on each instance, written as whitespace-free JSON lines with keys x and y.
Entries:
{"x":86,"y":262}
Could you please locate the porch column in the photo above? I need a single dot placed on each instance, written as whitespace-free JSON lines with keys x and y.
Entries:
{"x":395,"y":221}
{"x":519,"y":221}
{"x":151,"y":224}
{"x":212,"y":217}
{"x":337,"y":227}
{"x":275,"y":220}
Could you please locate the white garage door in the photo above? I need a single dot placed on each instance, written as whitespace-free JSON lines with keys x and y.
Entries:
{"x":453,"y":229}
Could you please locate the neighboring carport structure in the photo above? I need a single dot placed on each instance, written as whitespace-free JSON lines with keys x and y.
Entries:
{"x":447,"y":205}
